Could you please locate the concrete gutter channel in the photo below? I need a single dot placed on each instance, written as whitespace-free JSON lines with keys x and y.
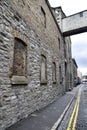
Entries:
{"x":58,"y":122}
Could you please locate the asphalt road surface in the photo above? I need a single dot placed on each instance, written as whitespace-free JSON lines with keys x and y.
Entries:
{"x":82,"y":114}
{"x":76,"y":117}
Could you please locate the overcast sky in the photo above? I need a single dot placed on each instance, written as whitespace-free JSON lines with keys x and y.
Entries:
{"x":79,"y":42}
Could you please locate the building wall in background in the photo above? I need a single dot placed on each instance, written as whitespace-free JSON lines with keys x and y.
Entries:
{"x":74,"y":72}
{"x":67,"y":56}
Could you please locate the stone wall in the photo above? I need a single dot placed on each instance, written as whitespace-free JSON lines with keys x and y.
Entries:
{"x":21,"y":95}
{"x":31,"y":12}
{"x":67,"y":56}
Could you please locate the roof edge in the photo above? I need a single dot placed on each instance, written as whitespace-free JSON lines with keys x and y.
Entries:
{"x":50,"y":8}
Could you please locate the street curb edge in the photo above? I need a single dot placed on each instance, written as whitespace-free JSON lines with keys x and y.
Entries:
{"x":57,"y":123}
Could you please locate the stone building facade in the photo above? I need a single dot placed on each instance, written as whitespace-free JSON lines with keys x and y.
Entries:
{"x":79,"y":77}
{"x":84,"y":78}
{"x":31,"y":63}
{"x":74,"y":73}
{"x":32,"y":59}
{"x":67,"y":55}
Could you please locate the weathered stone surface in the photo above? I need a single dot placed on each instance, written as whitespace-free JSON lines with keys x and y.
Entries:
{"x":19,"y":100}
{"x":19,"y":80}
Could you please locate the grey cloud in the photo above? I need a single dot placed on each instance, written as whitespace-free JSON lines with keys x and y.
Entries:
{"x":79,"y":52}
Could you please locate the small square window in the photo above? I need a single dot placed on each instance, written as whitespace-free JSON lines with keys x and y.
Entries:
{"x":81,"y":14}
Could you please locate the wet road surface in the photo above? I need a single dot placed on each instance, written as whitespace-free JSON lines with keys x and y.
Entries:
{"x":76,"y":117}
{"x":82,"y":114}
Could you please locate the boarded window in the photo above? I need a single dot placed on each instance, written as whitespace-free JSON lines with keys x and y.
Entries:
{"x":43,"y":69}
{"x":20,"y":55}
{"x":54,"y":72}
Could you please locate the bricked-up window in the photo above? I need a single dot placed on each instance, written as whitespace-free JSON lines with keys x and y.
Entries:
{"x":60,"y":74}
{"x":20,"y":56}
{"x":43,"y":69}
{"x":54,"y":72}
{"x":43,"y":15}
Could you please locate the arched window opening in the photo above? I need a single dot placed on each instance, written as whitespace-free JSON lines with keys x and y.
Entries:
{"x":20,"y":56}
{"x":43,"y":69}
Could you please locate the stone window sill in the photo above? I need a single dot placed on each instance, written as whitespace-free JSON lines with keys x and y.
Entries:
{"x":54,"y":82}
{"x":19,"y":80}
{"x":43,"y":82}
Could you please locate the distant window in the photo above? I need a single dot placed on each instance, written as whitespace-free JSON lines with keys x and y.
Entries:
{"x":54,"y":72}
{"x":60,"y":74}
{"x":81,"y":14}
{"x":43,"y":69}
{"x":43,"y":15}
{"x":59,"y":42}
{"x":20,"y":55}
